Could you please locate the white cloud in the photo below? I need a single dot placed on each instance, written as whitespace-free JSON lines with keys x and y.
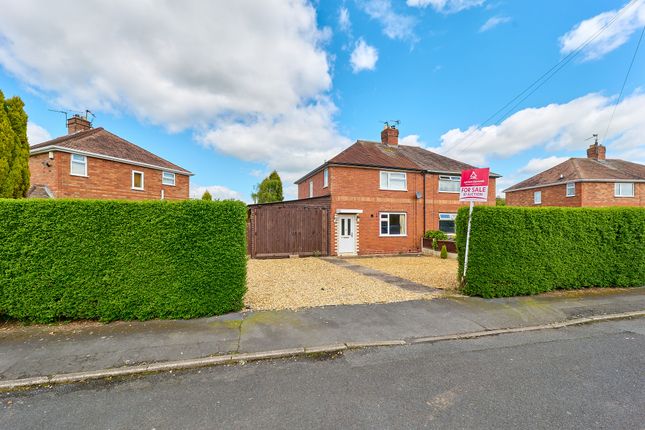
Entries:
{"x":217,"y":191}
{"x":363,"y":57}
{"x":291,"y":143}
{"x":411,"y":140}
{"x":555,"y":127}
{"x":494,"y":22}
{"x":36,"y":134}
{"x":344,"y":21}
{"x":446,"y":6}
{"x":632,"y":18}
{"x":395,"y":25}
{"x":251,"y":79}
{"x":537,"y":165}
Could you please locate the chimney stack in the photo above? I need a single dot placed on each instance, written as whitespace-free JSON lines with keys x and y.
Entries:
{"x":596,"y":151}
{"x":77,"y":123}
{"x":390,"y":135}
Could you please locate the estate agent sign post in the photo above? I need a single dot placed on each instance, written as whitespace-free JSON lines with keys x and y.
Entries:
{"x":474,"y":188}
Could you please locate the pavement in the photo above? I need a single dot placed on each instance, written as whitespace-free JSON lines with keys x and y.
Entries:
{"x":42,"y":351}
{"x":581,"y":377}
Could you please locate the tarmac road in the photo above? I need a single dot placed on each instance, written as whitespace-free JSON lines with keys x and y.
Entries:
{"x":584,"y":377}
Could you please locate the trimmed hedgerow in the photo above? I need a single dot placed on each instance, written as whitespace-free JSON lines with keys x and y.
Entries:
{"x":109,"y":260}
{"x":520,"y":251}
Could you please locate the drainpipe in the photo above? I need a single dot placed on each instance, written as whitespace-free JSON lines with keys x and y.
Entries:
{"x":424,"y":209}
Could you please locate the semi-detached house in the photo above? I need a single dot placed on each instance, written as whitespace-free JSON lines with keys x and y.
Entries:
{"x":383,"y":196}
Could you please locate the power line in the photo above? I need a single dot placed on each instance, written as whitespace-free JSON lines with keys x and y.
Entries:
{"x":545,"y":77}
{"x":629,"y":69}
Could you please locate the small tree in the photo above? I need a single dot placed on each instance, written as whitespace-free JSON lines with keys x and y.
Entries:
{"x":207,"y":196}
{"x":444,"y":252}
{"x":14,"y":148}
{"x":500,"y":201}
{"x":269,"y":190}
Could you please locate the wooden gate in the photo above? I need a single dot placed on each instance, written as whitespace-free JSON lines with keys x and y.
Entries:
{"x":282,"y":230}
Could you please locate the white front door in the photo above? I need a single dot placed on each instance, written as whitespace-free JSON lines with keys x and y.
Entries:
{"x":347,"y":234}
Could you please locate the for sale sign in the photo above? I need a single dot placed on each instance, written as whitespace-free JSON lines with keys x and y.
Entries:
{"x":474,"y":185}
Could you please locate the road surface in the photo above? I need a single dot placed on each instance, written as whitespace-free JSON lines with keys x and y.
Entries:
{"x":584,"y":377}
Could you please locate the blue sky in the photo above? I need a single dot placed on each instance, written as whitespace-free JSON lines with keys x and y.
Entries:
{"x":233,"y":92}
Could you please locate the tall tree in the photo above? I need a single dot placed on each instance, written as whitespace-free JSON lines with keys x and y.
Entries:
{"x":269,"y":190}
{"x":14,"y":148}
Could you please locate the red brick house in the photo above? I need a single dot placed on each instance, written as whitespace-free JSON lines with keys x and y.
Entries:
{"x":94,"y":163}
{"x":593,"y":181}
{"x":383,"y":196}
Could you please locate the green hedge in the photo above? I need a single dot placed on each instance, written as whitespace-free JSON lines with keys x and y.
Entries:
{"x":519,"y":251}
{"x":108,"y":260}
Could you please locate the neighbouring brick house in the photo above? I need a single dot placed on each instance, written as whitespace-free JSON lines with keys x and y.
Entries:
{"x":383,"y":196}
{"x":94,"y":163}
{"x":593,"y":181}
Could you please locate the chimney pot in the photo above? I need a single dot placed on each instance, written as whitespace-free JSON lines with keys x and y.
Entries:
{"x":77,"y":123}
{"x":390,"y":135}
{"x":596,"y":151}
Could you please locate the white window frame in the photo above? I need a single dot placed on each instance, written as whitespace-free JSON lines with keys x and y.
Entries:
{"x":447,"y":217}
{"x":143,"y":182}
{"x":164,"y":180}
{"x":450,"y":179}
{"x":311,"y":188}
{"x":618,"y":189}
{"x":404,"y":224}
{"x":537,"y":197}
{"x":325,"y":178}
{"x":385,"y":180}
{"x":571,"y":189}
{"x":77,"y":162}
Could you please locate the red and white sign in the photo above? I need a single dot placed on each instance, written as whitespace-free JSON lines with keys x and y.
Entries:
{"x":474,"y":185}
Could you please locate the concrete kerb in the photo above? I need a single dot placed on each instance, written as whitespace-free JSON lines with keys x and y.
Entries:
{"x":68,"y":378}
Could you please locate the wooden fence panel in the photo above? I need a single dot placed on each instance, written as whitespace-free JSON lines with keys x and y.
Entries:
{"x":276,"y":231}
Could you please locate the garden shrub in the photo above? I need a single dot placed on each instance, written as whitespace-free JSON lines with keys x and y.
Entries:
{"x":109,"y":260}
{"x":435,"y":234}
{"x":519,"y":251}
{"x":444,"y":252}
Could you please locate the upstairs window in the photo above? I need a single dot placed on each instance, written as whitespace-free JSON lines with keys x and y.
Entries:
{"x":396,"y":181}
{"x":537,"y":197}
{"x":449,"y":184}
{"x":624,"y":189}
{"x":78,"y":165}
{"x":447,"y":223}
{"x":325,"y":178}
{"x":311,"y":189}
{"x":137,"y":180}
{"x":571,"y":189}
{"x":168,"y":178}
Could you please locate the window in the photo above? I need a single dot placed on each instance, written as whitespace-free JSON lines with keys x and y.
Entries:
{"x":168,"y":178}
{"x":571,"y":189}
{"x":311,"y":188}
{"x":396,"y":181}
{"x":393,"y":224}
{"x":137,"y":180}
{"x":449,"y":184}
{"x":78,"y":165}
{"x":447,"y":223}
{"x":325,"y":178}
{"x":537,"y":197}
{"x":624,"y":189}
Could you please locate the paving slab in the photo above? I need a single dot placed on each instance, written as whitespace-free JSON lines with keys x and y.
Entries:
{"x":33,"y":351}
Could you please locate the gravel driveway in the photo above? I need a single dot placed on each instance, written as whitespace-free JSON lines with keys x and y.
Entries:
{"x":424,"y":269}
{"x":293,"y":283}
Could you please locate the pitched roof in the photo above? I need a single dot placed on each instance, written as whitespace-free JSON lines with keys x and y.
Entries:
{"x":100,"y":142}
{"x":377,"y":154}
{"x":584,"y":169}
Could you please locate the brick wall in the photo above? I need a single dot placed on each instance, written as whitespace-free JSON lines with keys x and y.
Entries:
{"x":359,"y":188}
{"x":319,"y":190}
{"x":589,"y":194}
{"x":105,"y":180}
